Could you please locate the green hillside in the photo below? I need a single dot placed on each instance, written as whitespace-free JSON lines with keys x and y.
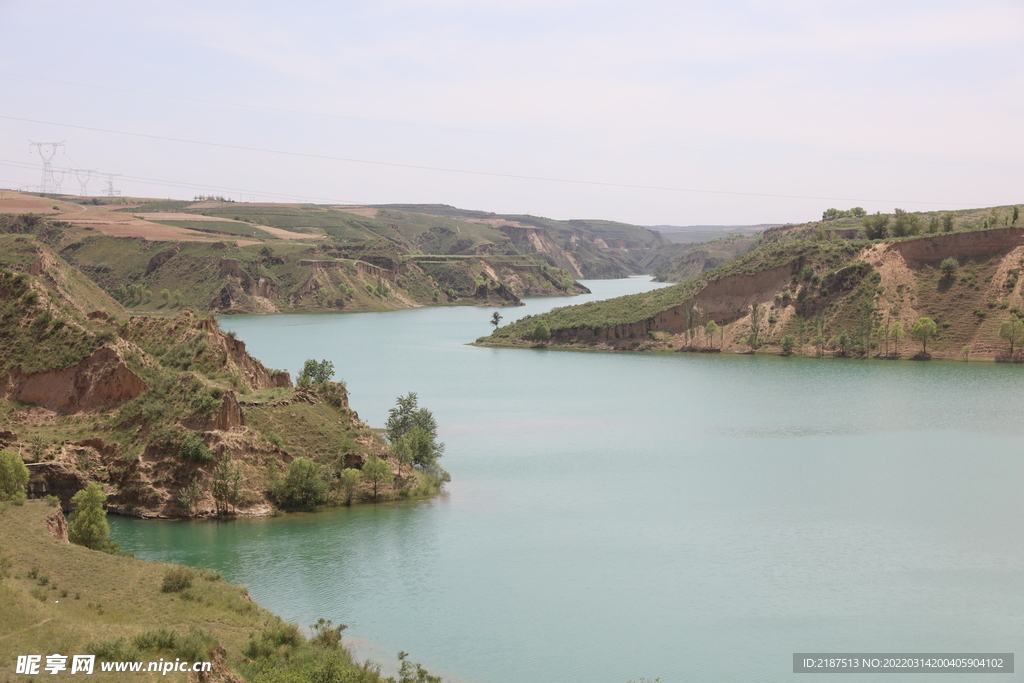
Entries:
{"x":820,"y":288}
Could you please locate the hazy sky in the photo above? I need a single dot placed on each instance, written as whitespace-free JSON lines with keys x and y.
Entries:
{"x":646,"y":112}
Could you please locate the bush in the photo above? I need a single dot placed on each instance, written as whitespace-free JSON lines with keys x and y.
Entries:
{"x":315,"y":373}
{"x":788,"y":342}
{"x":191,"y":646}
{"x":177,"y":580}
{"x":272,"y":639}
{"x":303,"y":488}
{"x":13,"y":476}
{"x":949,"y":266}
{"x":192,"y":449}
{"x":114,"y":650}
{"x":88,"y":523}
{"x":541,"y":332}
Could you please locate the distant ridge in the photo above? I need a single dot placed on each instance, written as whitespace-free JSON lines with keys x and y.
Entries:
{"x":722,"y":228}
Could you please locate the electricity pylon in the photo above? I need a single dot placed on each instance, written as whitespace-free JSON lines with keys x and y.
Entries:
{"x":50,"y":184}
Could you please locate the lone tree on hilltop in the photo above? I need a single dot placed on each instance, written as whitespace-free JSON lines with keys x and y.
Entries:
{"x":315,"y":373}
{"x":496,"y":320}
{"x":923,"y":330}
{"x":1012,"y":331}
{"x":13,"y":476}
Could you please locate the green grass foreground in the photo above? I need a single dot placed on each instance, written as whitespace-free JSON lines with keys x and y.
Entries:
{"x":66,"y":599}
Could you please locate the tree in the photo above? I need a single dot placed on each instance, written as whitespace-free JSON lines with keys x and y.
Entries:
{"x":819,"y":342}
{"x":304,"y":487}
{"x":348,"y":482}
{"x":88,"y":523}
{"x":541,"y":332}
{"x":1012,"y":331}
{"x":788,"y":342}
{"x":408,"y":446}
{"x":949,"y":266}
{"x":923,"y":330}
{"x":947,"y":222}
{"x":882,"y":334}
{"x":378,"y":473}
{"x":189,"y":495}
{"x":496,"y":320}
{"x":413,"y":430}
{"x":13,"y":476}
{"x":755,"y":326}
{"x":905,"y":224}
{"x":226,"y":486}
{"x":1016,"y":215}
{"x":876,"y":227}
{"x":315,"y":373}
{"x":710,"y":329}
{"x":897,"y":333}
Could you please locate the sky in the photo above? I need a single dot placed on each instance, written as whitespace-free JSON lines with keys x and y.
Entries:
{"x":681,"y":113}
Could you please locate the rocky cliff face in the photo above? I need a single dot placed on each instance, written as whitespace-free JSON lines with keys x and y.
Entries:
{"x":102,"y":381}
{"x":256,"y":376}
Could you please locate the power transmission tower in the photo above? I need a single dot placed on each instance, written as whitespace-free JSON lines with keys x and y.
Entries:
{"x":47,"y":150}
{"x":84,"y":184}
{"x":110,"y":191}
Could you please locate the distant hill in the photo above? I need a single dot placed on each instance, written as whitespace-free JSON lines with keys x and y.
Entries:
{"x":824,"y":287}
{"x":684,"y":234}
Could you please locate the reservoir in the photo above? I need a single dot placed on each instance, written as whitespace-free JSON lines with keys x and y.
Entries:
{"x":612,"y":516}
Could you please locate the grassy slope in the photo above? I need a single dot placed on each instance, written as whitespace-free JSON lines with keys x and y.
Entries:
{"x":967,"y":308}
{"x":110,"y":597}
{"x":187,"y":369}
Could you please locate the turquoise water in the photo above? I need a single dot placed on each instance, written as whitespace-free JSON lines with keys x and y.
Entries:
{"x":611,"y":516}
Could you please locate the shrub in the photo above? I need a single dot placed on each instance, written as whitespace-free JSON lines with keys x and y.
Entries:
{"x":114,"y":650}
{"x":13,"y":476}
{"x":192,"y":449}
{"x":303,"y":488}
{"x":88,"y":523}
{"x":40,"y":594}
{"x":190,"y":646}
{"x":788,"y":342}
{"x":949,"y":266}
{"x":315,"y":373}
{"x":176,"y":580}
{"x":271,"y":639}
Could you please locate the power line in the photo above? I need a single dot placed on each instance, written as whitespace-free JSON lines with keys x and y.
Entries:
{"x":199,"y":186}
{"x":491,"y":174}
{"x":514,"y":135}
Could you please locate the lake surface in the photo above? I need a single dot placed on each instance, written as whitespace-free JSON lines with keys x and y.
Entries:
{"x":616,"y":516}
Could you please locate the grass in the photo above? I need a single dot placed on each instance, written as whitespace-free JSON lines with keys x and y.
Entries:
{"x":37,"y":333}
{"x":221,"y":228}
{"x":120,"y":612}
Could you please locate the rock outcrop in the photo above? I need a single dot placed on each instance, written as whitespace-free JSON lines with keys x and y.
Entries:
{"x":101,"y":381}
{"x":61,"y":479}
{"x":57,"y":525}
